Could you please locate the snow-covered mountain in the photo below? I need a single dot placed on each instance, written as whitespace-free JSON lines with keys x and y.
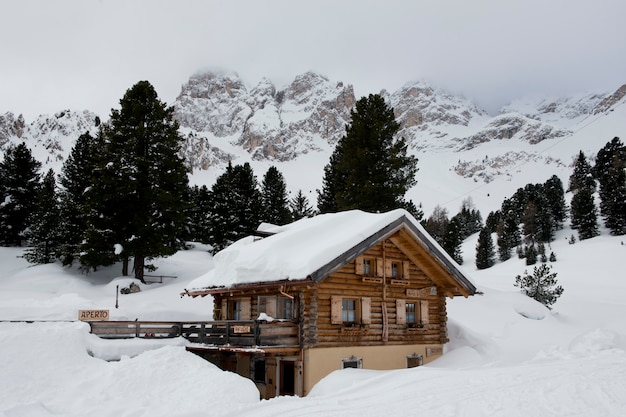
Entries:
{"x":463,"y":151}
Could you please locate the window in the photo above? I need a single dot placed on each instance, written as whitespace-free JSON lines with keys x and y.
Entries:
{"x":235,"y":310}
{"x":280,"y":308}
{"x":352,"y":362}
{"x":395,"y":270}
{"x":410,"y":313}
{"x":284,"y":308}
{"x":258,"y":373}
{"x":367,"y":267}
{"x":414,"y":360}
{"x":348,"y":310}
{"x":414,"y":313}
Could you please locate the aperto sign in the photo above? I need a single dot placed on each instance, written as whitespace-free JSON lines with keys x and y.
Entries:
{"x":93,"y":315}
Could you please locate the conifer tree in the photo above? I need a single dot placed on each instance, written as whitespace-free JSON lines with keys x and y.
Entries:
{"x":485,"y":252}
{"x":509,"y":236}
{"x":554,"y":195}
{"x":274,"y":198}
{"x":141,"y":184}
{"x":198,"y":212}
{"x":437,"y":223}
{"x":451,"y":241}
{"x":541,"y":285}
{"x":45,"y":235}
{"x":235,"y":206}
{"x":369,"y":169}
{"x":300,"y":207}
{"x":584,"y":213}
{"x":19,"y":181}
{"x":75,"y":180}
{"x":582,"y":177}
{"x":610,"y":172}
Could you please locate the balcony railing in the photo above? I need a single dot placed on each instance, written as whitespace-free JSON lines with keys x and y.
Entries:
{"x":221,"y":333}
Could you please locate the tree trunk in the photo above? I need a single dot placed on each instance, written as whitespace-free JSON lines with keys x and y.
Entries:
{"x":125,"y":263}
{"x":138,"y":267}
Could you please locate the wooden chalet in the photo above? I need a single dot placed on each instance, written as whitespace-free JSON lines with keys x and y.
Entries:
{"x":350,"y":289}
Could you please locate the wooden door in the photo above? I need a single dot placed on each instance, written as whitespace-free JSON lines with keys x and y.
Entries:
{"x":270,"y":376}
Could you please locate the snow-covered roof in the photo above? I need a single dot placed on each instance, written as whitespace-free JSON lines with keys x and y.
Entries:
{"x":308,"y":249}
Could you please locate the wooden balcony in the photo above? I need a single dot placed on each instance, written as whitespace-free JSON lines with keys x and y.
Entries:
{"x":218,"y":333}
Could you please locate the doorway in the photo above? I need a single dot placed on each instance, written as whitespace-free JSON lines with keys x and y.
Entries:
{"x":287,"y":378}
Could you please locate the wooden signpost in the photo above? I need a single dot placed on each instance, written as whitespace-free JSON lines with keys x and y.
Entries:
{"x":93,"y":315}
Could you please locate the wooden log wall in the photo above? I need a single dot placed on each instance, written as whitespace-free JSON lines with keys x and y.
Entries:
{"x":318,"y":329}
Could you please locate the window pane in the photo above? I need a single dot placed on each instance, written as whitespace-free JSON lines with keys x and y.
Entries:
{"x":410,"y":312}
{"x":394,"y":270}
{"x":348,"y":310}
{"x":236,"y":310}
{"x":367,"y":267}
{"x":284,"y":308}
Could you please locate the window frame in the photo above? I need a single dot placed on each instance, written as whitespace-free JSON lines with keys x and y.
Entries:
{"x":352,"y":360}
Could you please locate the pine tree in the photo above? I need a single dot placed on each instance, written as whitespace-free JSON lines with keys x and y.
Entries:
{"x":452,"y":240}
{"x":235,"y":206}
{"x":75,"y":180}
{"x":582,"y":177}
{"x":45,"y":235}
{"x":300,"y":207}
{"x":530,"y":254}
{"x":485,"y":252}
{"x":556,"y":207}
{"x":19,"y":181}
{"x":509,"y":236}
{"x":274,"y":198}
{"x":437,"y":223}
{"x":198,"y":223}
{"x":610,"y":172}
{"x":369,"y":169}
{"x":584,"y":213}
{"x":541,"y":285}
{"x":142,"y":181}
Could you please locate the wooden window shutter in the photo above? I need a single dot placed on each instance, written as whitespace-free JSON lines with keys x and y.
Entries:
{"x":224,"y":312}
{"x":400,"y":311}
{"x":380,"y":265}
{"x":245,"y":309}
{"x":406,"y":269}
{"x":424,"y":311}
{"x":359,"y":266}
{"x":366,"y":310}
{"x":270,"y":306}
{"x":335,"y":310}
{"x":388,"y":268}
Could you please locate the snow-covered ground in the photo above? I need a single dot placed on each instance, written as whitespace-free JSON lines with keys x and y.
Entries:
{"x":508,"y":355}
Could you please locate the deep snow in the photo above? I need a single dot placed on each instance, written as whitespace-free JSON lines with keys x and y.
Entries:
{"x":508,"y":355}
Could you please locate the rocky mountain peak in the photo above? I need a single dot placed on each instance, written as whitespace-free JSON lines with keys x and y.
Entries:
{"x":417,"y":104}
{"x":608,"y":102}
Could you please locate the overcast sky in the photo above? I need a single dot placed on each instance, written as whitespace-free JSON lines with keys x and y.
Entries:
{"x":85,"y":54}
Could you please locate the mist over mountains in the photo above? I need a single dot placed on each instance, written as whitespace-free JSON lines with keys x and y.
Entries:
{"x":463,"y":150}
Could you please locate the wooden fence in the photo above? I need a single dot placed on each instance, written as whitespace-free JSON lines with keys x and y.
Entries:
{"x":228,"y":332}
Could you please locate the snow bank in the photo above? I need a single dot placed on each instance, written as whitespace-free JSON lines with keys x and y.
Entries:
{"x":47,"y":371}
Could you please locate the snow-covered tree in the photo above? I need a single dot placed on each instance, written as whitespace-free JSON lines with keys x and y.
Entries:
{"x":300,"y":206}
{"x":138,"y":197}
{"x":274,"y":198}
{"x":485,"y":251}
{"x":541,"y":285}
{"x":19,"y":181}
{"x":44,"y":234}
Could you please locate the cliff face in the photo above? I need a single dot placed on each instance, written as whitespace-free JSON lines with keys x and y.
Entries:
{"x":266,"y":122}
{"x":223,"y":120}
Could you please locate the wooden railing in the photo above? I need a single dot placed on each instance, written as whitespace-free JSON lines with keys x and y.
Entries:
{"x":227,"y":332}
